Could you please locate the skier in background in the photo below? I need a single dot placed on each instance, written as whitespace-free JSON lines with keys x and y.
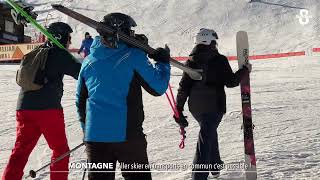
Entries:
{"x":85,"y":45}
{"x":207,"y":98}
{"x":109,"y":99}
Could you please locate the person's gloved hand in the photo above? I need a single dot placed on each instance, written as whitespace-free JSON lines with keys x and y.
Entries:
{"x":248,"y":66}
{"x":182,"y":120}
{"x":161,"y":55}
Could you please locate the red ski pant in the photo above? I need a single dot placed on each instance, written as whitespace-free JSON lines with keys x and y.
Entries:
{"x":31,"y":124}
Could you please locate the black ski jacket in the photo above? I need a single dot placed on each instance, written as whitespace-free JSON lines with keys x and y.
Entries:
{"x":207,"y":95}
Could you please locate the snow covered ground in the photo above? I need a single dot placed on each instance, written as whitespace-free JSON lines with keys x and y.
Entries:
{"x":285,"y":102}
{"x":285,"y":92}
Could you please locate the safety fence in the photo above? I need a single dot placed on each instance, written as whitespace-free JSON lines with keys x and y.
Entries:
{"x":15,"y":52}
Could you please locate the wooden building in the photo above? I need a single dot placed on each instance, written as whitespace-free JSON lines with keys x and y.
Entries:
{"x":10,"y":32}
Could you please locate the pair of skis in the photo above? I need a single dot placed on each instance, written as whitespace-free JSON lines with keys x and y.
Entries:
{"x":194,"y":74}
{"x":243,"y":58}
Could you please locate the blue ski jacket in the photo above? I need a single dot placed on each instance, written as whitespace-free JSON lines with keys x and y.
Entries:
{"x":85,"y":45}
{"x":109,"y":95}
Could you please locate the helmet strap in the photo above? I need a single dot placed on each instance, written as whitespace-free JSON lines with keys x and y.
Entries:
{"x":115,"y":38}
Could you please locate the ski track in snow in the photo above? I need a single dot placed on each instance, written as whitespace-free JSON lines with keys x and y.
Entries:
{"x":286,"y":115}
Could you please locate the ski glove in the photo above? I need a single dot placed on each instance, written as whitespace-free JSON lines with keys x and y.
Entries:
{"x":161,"y":55}
{"x":182,"y":120}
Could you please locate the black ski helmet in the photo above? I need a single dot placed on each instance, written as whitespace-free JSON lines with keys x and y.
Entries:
{"x":60,"y":31}
{"x":120,"y":21}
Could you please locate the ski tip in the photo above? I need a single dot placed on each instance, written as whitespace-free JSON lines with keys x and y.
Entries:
{"x":55,"y":6}
{"x":241,"y":32}
{"x":242,"y":36}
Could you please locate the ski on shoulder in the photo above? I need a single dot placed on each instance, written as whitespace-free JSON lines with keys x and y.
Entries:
{"x":193,"y":73}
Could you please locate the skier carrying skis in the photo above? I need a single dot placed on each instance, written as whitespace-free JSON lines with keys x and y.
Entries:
{"x":85,"y":45}
{"x":207,"y":98}
{"x":39,"y":112}
{"x":109,"y":99}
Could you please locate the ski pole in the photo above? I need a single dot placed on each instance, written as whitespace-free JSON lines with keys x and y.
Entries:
{"x":84,"y":171}
{"x":182,"y":131}
{"x":173,"y":105}
{"x":33,"y":173}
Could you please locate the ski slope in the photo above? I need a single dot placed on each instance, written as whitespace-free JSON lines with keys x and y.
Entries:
{"x":285,"y":102}
{"x":285,"y":92}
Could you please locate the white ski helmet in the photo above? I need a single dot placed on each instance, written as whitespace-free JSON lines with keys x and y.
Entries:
{"x":205,"y":36}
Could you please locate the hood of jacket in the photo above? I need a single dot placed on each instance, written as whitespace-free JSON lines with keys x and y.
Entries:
{"x":201,"y":54}
{"x":100,"y":51}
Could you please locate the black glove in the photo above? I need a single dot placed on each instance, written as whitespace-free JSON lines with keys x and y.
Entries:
{"x":161,"y":55}
{"x":142,"y":38}
{"x":182,"y":120}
